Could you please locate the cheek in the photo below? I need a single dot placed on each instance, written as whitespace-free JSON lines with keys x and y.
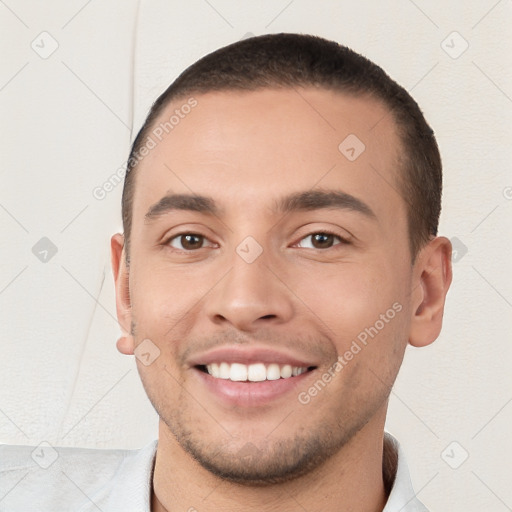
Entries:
{"x":164,"y":297}
{"x":348,"y":298}
{"x":366,"y":314}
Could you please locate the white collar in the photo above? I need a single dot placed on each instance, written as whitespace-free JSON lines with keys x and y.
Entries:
{"x":402,"y":497}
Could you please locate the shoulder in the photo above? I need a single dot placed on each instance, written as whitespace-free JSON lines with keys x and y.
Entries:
{"x":47,"y":477}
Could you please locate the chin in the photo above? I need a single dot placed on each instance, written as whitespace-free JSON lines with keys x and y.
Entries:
{"x":267,"y":462}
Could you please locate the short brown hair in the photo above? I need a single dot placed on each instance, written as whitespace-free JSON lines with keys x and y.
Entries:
{"x":289,"y":60}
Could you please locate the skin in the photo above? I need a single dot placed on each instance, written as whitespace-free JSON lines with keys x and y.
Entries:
{"x":245,"y":150}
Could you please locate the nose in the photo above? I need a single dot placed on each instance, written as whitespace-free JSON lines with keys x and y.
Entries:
{"x":250,"y":296}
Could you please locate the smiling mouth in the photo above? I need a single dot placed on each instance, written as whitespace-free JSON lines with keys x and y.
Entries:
{"x":257,"y":372}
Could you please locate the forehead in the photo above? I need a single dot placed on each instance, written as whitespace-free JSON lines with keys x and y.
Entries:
{"x":250,"y":147}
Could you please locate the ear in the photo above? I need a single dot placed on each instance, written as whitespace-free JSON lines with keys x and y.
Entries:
{"x":432,"y":278}
{"x":125,"y":344}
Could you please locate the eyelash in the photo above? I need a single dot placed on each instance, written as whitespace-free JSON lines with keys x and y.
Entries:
{"x":343,"y":241}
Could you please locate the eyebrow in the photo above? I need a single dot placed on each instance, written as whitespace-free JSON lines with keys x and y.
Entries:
{"x":322,"y":199}
{"x":188,"y":202}
{"x":298,"y":201}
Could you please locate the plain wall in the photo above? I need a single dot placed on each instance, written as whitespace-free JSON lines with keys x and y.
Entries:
{"x":67,"y":122}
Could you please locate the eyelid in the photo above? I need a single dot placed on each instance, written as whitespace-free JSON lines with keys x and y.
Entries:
{"x":343,"y":239}
{"x":167,"y":241}
{"x":186,"y":228}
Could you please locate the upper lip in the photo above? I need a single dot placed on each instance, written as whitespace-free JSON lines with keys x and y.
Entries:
{"x":249,"y":355}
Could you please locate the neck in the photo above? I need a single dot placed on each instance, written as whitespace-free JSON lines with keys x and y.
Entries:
{"x":355,"y":472}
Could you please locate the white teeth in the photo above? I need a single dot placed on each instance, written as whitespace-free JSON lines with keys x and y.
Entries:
{"x":286,"y":371}
{"x":224,"y":371}
{"x":238,"y":372}
{"x":273,"y":372}
{"x":256,"y":372}
{"x":214,"y":370}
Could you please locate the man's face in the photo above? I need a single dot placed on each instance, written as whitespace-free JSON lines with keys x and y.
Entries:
{"x":240,"y":283}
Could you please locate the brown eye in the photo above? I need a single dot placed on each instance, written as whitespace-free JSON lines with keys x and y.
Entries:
{"x":187,"y":242}
{"x":320,"y":240}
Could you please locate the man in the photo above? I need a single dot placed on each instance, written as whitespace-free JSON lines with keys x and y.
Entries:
{"x":280,"y":214}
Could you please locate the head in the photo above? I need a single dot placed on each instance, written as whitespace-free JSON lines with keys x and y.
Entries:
{"x":287,"y":217}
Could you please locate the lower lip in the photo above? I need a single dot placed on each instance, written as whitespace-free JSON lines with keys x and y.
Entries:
{"x":251,"y":394}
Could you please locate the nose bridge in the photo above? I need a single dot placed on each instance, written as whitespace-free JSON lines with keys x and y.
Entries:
{"x":250,"y":291}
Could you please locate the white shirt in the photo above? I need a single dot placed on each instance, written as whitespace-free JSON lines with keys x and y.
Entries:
{"x":47,"y":479}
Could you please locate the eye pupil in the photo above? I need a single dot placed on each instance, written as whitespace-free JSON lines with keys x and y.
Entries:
{"x":191,"y":241}
{"x":323,"y":239}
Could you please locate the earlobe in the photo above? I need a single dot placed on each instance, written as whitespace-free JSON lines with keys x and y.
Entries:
{"x":125,"y":344}
{"x":434,"y":276}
